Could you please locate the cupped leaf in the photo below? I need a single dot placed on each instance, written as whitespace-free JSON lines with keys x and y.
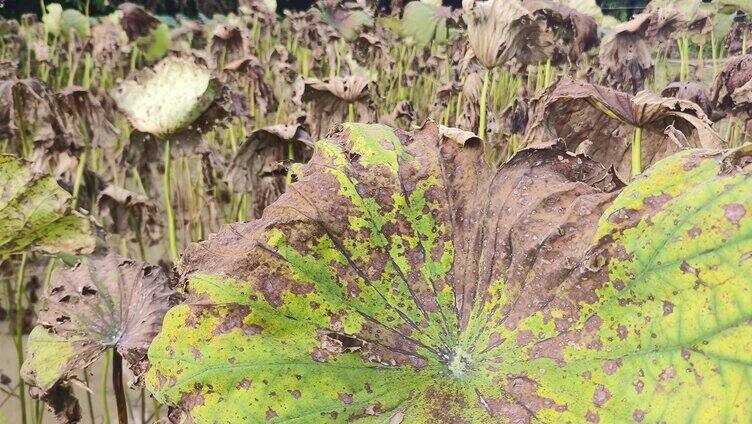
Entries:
{"x":376,"y":286}
{"x":35,"y":213}
{"x":168,"y":98}
{"x":101,"y":303}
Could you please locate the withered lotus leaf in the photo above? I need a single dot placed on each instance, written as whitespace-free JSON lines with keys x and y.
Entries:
{"x":600,"y":122}
{"x":87,"y":117}
{"x":258,"y":166}
{"x":102,"y":303}
{"x":694,"y":92}
{"x":168,"y":98}
{"x":732,"y":88}
{"x":332,"y":99}
{"x":136,"y":21}
{"x":29,"y":110}
{"x":575,"y":32}
{"x":404,"y":280}
{"x":36,"y":214}
{"x":500,"y":30}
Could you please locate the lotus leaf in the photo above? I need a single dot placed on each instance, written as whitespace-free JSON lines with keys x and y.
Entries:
{"x":168,"y":98}
{"x":425,"y":22}
{"x":35,"y":213}
{"x":600,"y":122}
{"x":101,"y":303}
{"x":403,"y":280}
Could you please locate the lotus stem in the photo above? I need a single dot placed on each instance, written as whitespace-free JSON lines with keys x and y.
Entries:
{"x":18,"y":339}
{"x":548,"y":73}
{"x":637,"y":152}
{"x":167,"y":182}
{"x":89,"y":402}
{"x":458,"y":109}
{"x":117,"y":384}
{"x":79,"y":178}
{"x":744,"y":43}
{"x":105,"y":404}
{"x":714,"y":53}
{"x":483,"y":98}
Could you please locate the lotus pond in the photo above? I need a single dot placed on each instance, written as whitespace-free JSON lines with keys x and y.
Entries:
{"x":513,"y":212}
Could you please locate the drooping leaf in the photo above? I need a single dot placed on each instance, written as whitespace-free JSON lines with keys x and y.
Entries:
{"x":600,"y":122}
{"x":168,"y":98}
{"x":694,"y":92}
{"x":575,"y":32}
{"x":349,"y":18}
{"x":732,"y":87}
{"x":249,"y":72}
{"x":125,"y":212}
{"x":333,"y":99}
{"x":102,"y":303}
{"x":29,"y":110}
{"x":35,"y":213}
{"x":87,"y":117}
{"x":499,"y":31}
{"x":258,"y":166}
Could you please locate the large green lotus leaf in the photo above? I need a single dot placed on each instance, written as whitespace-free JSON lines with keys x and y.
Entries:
{"x":425,"y":22}
{"x":168,"y":98}
{"x":402,"y":280}
{"x":35,"y":213}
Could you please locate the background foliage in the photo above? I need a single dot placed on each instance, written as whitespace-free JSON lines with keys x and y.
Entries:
{"x":621,"y":9}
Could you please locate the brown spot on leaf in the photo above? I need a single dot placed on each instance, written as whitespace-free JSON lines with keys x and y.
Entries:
{"x":638,"y":415}
{"x":668,"y":373}
{"x":622,"y":332}
{"x":611,"y":366}
{"x":346,"y":398}
{"x":601,"y":395}
{"x":734,"y":212}
{"x":668,"y":308}
{"x":592,"y":417}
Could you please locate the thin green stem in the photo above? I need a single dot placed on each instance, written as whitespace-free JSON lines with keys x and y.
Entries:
{"x":18,"y":336}
{"x":167,"y":181}
{"x":637,"y":152}
{"x":483,"y":99}
{"x":89,"y":402}
{"x":79,"y":177}
{"x":105,"y":403}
